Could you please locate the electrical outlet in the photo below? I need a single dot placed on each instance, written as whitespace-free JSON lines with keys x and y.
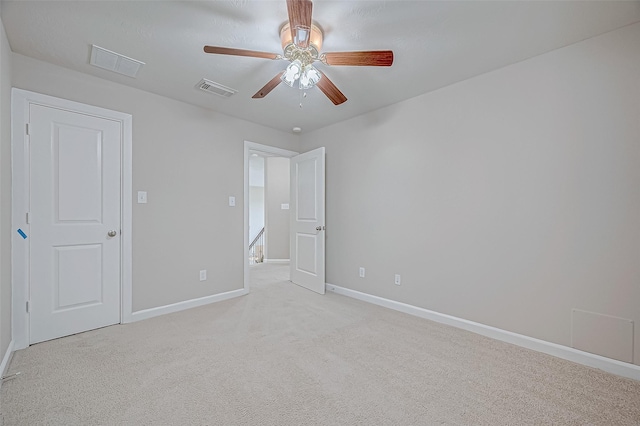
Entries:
{"x":397,"y":279}
{"x":361,"y":272}
{"x":203,"y":275}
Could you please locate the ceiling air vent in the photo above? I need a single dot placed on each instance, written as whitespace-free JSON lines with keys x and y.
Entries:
{"x":216,"y":88}
{"x":112,"y":61}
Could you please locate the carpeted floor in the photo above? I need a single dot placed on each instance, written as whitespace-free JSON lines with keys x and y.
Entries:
{"x":283,"y":355}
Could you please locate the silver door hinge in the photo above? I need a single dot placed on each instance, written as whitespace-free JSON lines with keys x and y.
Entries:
{"x":28,"y":306}
{"x":27,"y":129}
{"x":28,"y":218}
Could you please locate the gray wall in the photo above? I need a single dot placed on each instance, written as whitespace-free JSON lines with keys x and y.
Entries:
{"x":5,"y":192}
{"x":277,"y":193}
{"x":190,"y":160}
{"x":508,"y":199}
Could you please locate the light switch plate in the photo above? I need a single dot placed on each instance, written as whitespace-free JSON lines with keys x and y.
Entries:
{"x":142,"y":197}
{"x":284,"y":206}
{"x":232,"y":201}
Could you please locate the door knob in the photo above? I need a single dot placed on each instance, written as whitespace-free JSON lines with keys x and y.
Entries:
{"x":319,"y":228}
{"x":112,"y":233}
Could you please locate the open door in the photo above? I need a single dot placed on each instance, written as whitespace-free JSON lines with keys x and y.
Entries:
{"x":307,"y":220}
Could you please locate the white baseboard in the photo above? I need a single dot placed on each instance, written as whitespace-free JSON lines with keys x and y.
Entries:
{"x":187,"y":304}
{"x":276,"y":260}
{"x":609,"y":365}
{"x":6,"y":359}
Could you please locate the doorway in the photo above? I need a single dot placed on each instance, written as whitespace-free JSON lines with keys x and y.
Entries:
{"x":265,"y":205}
{"x":72,"y":256}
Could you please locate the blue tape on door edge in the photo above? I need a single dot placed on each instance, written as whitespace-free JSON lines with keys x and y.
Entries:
{"x":22,"y":234}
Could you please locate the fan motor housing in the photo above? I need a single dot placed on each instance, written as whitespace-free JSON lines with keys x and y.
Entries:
{"x":315,"y":39}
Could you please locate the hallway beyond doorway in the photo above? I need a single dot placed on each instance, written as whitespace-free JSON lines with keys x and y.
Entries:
{"x":263,"y":274}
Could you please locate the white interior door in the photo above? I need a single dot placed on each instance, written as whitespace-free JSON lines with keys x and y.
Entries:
{"x":75,"y":222}
{"x":307,"y":220}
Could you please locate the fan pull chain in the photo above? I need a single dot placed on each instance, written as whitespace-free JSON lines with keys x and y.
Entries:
{"x":302,"y":96}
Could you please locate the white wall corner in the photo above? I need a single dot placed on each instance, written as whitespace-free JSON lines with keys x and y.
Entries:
{"x":609,"y":365}
{"x":187,"y":304}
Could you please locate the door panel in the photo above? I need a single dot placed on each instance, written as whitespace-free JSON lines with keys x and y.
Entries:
{"x":307,"y":220}
{"x":306,"y":190}
{"x":306,"y":253}
{"x":75,"y":202}
{"x":77,"y":276}
{"x":78,"y":171}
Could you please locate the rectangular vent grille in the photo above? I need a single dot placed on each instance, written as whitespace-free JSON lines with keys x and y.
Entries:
{"x":216,"y":88}
{"x":112,"y":61}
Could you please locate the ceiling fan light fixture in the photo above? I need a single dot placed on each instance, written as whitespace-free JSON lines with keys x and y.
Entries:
{"x":309,"y":77}
{"x":292,"y":73}
{"x":301,"y":40}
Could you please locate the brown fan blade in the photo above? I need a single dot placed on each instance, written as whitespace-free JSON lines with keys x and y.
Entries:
{"x":240,"y":52}
{"x":300,"y":12}
{"x":328,"y":88}
{"x":374,"y":58}
{"x":268,"y":87}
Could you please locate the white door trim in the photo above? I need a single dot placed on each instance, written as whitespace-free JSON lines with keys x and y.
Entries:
{"x":20,"y":172}
{"x":269,"y":150}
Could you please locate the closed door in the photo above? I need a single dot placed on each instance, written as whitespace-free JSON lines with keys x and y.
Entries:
{"x":307,"y":220}
{"x":75,"y":191}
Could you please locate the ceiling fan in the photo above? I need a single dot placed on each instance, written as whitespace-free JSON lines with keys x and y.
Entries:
{"x":301,"y":44}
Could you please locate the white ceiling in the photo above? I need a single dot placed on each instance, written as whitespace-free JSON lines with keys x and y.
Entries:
{"x":436,"y":43}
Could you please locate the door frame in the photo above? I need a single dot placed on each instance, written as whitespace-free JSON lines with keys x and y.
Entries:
{"x":20,"y":173}
{"x":269,"y":151}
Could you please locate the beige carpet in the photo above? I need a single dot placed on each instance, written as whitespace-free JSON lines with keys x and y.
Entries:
{"x":285,"y":356}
